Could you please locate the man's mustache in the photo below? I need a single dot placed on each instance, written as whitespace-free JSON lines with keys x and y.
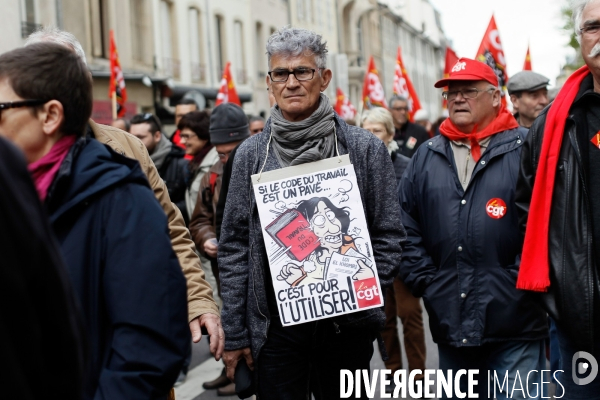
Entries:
{"x":595,"y":50}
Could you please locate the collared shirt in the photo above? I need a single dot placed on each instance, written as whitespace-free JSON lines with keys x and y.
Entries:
{"x":465,"y":164}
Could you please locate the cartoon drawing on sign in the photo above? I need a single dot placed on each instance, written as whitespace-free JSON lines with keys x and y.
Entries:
{"x":325,"y":231}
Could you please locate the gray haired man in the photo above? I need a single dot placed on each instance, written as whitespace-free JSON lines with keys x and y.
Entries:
{"x":294,"y":361}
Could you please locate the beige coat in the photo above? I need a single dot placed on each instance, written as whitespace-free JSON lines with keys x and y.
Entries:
{"x":200,"y":296}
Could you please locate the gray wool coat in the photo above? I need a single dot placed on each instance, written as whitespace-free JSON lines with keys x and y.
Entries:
{"x":242,"y":256}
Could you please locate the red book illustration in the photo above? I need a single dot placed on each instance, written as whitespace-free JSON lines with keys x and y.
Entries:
{"x":292,"y":231}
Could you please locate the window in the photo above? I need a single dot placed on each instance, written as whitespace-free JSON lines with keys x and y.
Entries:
{"x":239,"y":59}
{"x":100,"y":28}
{"x":169,"y":50}
{"x":260,"y":57}
{"x":198,"y":67}
{"x":28,"y":25}
{"x":141,"y":31}
{"x":221,"y":50}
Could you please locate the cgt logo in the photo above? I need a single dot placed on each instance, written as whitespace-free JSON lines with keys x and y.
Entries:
{"x":460,"y":65}
{"x":367,"y":293}
{"x":496,"y":208}
{"x":580,"y":367}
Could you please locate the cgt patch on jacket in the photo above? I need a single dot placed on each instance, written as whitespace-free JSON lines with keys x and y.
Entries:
{"x":496,"y":208}
{"x":596,"y":140}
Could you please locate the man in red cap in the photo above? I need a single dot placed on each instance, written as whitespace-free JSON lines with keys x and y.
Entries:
{"x":457,"y":199}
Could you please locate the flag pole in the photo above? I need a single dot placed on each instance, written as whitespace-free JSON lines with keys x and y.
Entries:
{"x":114,"y":105}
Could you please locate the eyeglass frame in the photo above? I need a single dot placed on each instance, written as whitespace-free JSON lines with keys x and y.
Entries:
{"x":447,"y":92}
{"x":21,"y":103}
{"x":293,"y":72}
{"x":586,"y":29}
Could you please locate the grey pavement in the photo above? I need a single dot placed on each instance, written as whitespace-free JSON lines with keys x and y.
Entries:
{"x":204,"y":368}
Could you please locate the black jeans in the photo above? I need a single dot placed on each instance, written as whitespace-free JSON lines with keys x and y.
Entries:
{"x":307,"y":358}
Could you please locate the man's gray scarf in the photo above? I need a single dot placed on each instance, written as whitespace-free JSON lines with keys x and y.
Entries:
{"x":311,"y":139}
{"x":162,"y":149}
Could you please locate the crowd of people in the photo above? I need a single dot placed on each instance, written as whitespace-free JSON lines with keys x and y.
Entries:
{"x":120,"y":249}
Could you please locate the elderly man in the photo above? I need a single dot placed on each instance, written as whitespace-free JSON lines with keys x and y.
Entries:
{"x":294,"y":361}
{"x":408,"y":135}
{"x":558,"y":198}
{"x":463,"y":237}
{"x":529,"y":95}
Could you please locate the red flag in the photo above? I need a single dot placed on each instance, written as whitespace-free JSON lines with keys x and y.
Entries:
{"x":404,"y":87}
{"x":490,"y":52}
{"x":451,"y":60}
{"x":227,"y":92}
{"x":373,"y":95}
{"x":527,"y":63}
{"x":343,"y":107}
{"x":116,"y":84}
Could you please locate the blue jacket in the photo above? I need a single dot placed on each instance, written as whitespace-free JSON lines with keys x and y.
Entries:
{"x":458,"y":255}
{"x":114,"y":239}
{"x":242,"y":254}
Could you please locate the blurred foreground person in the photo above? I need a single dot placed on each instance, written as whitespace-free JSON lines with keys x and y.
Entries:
{"x":558,"y":199}
{"x":112,"y":232}
{"x":202,"y":309}
{"x":399,"y":302}
{"x":42,"y":341}
{"x":461,"y":254}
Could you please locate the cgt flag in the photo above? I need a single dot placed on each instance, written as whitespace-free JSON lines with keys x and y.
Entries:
{"x":343,"y":107}
{"x":404,"y":87}
{"x":227,"y":92}
{"x":116,"y":85}
{"x":451,"y":60}
{"x":373,"y":95}
{"x":527,"y":63}
{"x":490,"y":52}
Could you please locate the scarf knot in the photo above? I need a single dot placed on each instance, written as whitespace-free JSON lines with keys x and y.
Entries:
{"x":503,"y":122}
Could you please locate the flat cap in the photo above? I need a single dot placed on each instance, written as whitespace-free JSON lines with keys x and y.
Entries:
{"x":526,"y":81}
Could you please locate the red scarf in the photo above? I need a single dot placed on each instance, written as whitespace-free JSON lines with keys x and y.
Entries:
{"x":534,"y":273}
{"x":44,"y":170}
{"x":503,"y":121}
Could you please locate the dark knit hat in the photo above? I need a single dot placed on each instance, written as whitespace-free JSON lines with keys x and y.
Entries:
{"x":228,"y":123}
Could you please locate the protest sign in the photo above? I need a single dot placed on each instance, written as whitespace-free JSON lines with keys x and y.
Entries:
{"x":317,"y":240}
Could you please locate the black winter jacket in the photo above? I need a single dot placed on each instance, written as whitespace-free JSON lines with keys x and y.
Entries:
{"x":174,"y":172}
{"x":458,"y":254}
{"x":400,"y":163}
{"x":572,"y":299}
{"x":114,"y":239}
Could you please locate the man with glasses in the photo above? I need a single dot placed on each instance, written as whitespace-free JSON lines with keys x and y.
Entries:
{"x":294,"y":361}
{"x":558,"y":199}
{"x":167,"y":158}
{"x":461,"y":253}
{"x":409,"y":136}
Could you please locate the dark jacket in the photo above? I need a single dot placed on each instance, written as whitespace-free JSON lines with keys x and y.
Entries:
{"x":409,"y":137}
{"x":174,"y":172}
{"x":113,"y":235}
{"x":42,"y":343}
{"x":460,"y":258}
{"x":573,"y":297}
{"x":400,"y":163}
{"x":242,"y":257}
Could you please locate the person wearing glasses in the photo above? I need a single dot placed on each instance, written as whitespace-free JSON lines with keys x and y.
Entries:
{"x":167,"y":157}
{"x":558,"y":200}
{"x":111,"y":230}
{"x":463,"y":241}
{"x":294,"y":361}
{"x":408,"y":135}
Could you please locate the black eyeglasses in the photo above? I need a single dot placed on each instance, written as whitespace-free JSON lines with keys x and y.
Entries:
{"x":470,"y":93}
{"x":23,"y":103}
{"x":301,"y":74}
{"x":591,"y":29}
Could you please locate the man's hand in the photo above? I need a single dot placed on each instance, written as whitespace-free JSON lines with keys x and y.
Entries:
{"x":210,"y":247}
{"x":231,"y":358}
{"x":212,"y":323}
{"x":291,"y":273}
{"x":364,"y":272}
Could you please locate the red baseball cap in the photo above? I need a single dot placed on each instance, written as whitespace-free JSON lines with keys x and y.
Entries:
{"x":466,"y":69}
